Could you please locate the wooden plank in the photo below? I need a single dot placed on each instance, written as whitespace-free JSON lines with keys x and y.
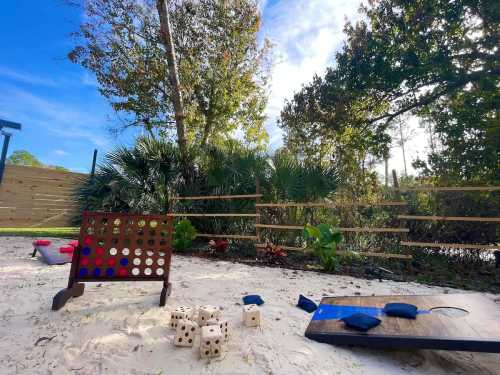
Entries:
{"x":210,"y":197}
{"x":450,"y":245}
{"x":231,"y":236}
{"x":356,"y":230}
{"x":450,"y":218}
{"x":180,"y":214}
{"x":475,"y":329}
{"x":21,"y":170}
{"x":362,"y":253}
{"x":332,"y":205}
{"x":452,"y":188}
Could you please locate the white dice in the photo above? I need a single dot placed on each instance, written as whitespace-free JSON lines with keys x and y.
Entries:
{"x":251,"y":315}
{"x":205,"y":313}
{"x":223,"y":325}
{"x":185,"y":332}
{"x":182,"y":312}
{"x":210,"y":342}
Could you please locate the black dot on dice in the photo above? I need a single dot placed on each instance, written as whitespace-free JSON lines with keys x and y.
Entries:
{"x":192,"y":329}
{"x":183,"y":328}
{"x":216,"y":351}
{"x":180,"y":339}
{"x":211,"y":329}
{"x":216,"y":341}
{"x":202,"y":318}
{"x":206,"y":353}
{"x":208,"y":342}
{"x":190,"y":341}
{"x":186,"y":334}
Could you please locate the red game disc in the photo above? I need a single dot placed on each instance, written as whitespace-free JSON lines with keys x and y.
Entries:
{"x":87,"y":241}
{"x":111,"y":262}
{"x":41,"y":243}
{"x":84,"y":261}
{"x":98,"y":262}
{"x":122,"y":272}
{"x":99,"y":251}
{"x":73,"y":243}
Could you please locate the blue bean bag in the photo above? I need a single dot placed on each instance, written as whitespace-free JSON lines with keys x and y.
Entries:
{"x":361,"y":322}
{"x":306,"y":304}
{"x":253,"y":299}
{"x":401,"y":310}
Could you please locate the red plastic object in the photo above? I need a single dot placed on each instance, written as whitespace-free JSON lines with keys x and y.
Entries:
{"x":99,"y":251}
{"x":73,"y":243}
{"x":122,"y":272}
{"x":88,"y":241}
{"x":66,"y":249}
{"x":111,"y":262}
{"x":41,"y":243}
{"x":84,"y":261}
{"x":98,"y":262}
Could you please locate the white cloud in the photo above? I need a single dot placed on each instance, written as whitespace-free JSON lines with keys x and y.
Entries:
{"x":61,"y":153}
{"x":52,"y":116}
{"x":26,"y":77}
{"x":306,"y":35}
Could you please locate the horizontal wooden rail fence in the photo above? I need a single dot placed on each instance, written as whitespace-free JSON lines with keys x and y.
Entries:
{"x":450,"y":188}
{"x":451,"y":245}
{"x":180,"y":214}
{"x":231,"y":236}
{"x":37,"y":197}
{"x":450,"y":218}
{"x":398,"y":203}
{"x":255,"y":216}
{"x":211,"y":197}
{"x":332,"y":205}
{"x":357,"y":230}
{"x":341,"y":252}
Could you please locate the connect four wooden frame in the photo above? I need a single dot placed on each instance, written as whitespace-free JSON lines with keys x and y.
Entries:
{"x":118,"y":247}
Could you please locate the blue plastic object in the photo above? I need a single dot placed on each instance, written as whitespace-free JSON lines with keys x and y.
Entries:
{"x":401,"y":310}
{"x":253,"y":299}
{"x":306,"y":304}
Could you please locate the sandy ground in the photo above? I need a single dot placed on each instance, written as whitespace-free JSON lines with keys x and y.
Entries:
{"x":117,"y":328}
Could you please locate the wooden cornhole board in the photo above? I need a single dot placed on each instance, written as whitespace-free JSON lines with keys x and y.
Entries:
{"x":120,"y":247}
{"x":472,"y":325}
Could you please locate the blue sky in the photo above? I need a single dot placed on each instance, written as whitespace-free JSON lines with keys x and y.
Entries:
{"x":63,"y":115}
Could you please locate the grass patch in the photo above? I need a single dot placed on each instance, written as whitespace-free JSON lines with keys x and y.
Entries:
{"x":64,"y":232}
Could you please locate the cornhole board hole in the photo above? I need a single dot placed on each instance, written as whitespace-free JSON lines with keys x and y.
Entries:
{"x":120,"y":247}
{"x":465,"y":322}
{"x":51,"y":255}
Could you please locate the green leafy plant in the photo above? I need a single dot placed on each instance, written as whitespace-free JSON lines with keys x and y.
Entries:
{"x":184,"y":234}
{"x":323,"y":240}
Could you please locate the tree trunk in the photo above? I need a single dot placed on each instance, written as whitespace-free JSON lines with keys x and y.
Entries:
{"x":166,"y":38}
{"x":403,"y":146}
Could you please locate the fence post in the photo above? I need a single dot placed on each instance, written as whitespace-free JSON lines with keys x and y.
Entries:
{"x":6,"y":141}
{"x":257,"y":209}
{"x":402,"y":222}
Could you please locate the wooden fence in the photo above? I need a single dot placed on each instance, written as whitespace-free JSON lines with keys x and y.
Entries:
{"x":398,"y":203}
{"x":37,"y":197}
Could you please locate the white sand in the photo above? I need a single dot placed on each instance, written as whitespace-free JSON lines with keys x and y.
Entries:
{"x":118,"y":328}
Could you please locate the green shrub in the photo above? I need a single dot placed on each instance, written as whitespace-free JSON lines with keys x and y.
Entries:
{"x":184,"y":234}
{"x":323,"y":240}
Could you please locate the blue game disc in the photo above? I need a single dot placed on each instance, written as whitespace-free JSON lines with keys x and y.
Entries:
{"x":86,"y":251}
{"x":83,"y":272}
{"x":110,"y":272}
{"x":124,"y":261}
{"x":96,"y":272}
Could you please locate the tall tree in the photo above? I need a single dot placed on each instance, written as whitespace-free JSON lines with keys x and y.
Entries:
{"x":166,"y":38}
{"x":427,"y":58}
{"x":222,"y":67}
